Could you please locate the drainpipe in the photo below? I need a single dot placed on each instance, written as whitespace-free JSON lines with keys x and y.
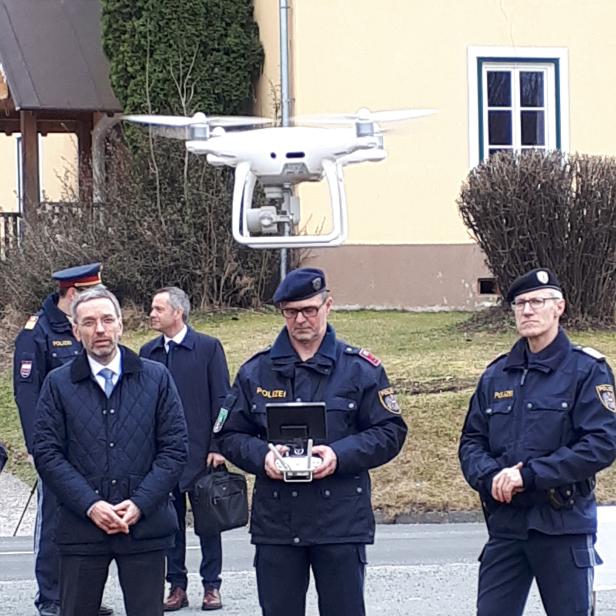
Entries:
{"x":285,"y":105}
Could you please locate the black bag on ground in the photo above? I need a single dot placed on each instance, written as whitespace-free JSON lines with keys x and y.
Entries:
{"x":219,"y":501}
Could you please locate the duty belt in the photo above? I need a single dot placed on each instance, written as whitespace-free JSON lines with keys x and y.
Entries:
{"x":560,"y":498}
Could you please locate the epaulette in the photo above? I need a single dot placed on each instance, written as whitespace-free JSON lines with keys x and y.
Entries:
{"x":31,"y":322}
{"x":364,"y":354}
{"x":497,"y":358}
{"x":590,"y":351}
{"x":260,"y":352}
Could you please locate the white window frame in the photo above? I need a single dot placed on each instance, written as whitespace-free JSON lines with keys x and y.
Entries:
{"x":555,"y":60}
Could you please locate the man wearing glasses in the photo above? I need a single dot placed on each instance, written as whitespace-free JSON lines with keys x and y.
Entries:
{"x":47,"y":342}
{"x":540,"y":425}
{"x":324,"y":524}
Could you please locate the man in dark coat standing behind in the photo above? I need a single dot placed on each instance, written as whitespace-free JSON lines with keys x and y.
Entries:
{"x":110,"y":440}
{"x":198,"y":365}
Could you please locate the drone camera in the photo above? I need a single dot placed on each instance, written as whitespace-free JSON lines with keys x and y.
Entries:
{"x":364,"y":129}
{"x":199,"y":132}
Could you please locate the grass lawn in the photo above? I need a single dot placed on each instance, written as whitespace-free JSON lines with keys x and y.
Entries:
{"x":434,"y":364}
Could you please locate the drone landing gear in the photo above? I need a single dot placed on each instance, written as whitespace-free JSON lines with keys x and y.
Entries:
{"x":271,"y":226}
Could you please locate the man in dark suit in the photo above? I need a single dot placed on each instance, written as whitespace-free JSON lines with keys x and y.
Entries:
{"x":198,"y":365}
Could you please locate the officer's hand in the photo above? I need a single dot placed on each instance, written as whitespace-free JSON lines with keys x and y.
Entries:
{"x":271,"y":470}
{"x":214,"y":459}
{"x":128,"y":511}
{"x":330,"y":461}
{"x":104,"y":516}
{"x":507,"y":484}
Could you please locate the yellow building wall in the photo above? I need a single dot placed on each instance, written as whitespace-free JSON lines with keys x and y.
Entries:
{"x":58,"y":168}
{"x":347,"y":54}
{"x":8,"y":174}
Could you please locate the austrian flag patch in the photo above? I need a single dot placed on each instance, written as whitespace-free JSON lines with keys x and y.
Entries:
{"x":25,"y":368}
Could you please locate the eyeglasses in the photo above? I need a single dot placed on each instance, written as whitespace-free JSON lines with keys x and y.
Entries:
{"x":535,"y":303}
{"x":91,"y":323}
{"x":308,"y":312}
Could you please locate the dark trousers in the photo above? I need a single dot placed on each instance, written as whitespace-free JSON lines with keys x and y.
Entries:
{"x":211,"y":552}
{"x":561,"y":564}
{"x":283,"y":575}
{"x":142,"y":579}
{"x":47,"y":558}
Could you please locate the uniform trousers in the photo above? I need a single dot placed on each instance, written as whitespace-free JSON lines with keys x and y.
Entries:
{"x":47,"y":558}
{"x":283,"y":575}
{"x":141,"y":576}
{"x":211,"y":551}
{"x":562,"y":566}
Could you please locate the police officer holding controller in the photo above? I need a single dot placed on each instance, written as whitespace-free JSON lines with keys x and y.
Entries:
{"x":324,"y":524}
{"x":47,"y":342}
{"x":540,"y":425}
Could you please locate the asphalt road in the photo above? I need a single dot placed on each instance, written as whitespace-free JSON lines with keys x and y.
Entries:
{"x":426,"y":569}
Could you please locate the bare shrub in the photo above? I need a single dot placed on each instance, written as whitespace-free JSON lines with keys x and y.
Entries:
{"x":165,"y":220}
{"x":550,"y":210}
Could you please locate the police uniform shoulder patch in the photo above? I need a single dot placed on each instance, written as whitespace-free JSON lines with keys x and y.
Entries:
{"x":369,"y":357}
{"x":31,"y":322}
{"x":389,"y":401}
{"x":606,"y":396}
{"x":590,"y":351}
{"x":220,"y":420}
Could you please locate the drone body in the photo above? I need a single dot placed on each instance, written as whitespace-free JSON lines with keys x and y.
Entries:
{"x":279,"y":158}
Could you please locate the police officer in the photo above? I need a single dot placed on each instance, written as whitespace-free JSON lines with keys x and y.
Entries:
{"x":47,"y":342}
{"x":325,"y":524}
{"x":540,"y":425}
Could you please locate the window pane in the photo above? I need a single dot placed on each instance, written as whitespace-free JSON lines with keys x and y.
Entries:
{"x":499,"y":127}
{"x":495,"y":150}
{"x":531,"y":89}
{"x":499,"y":89}
{"x":533,"y":129}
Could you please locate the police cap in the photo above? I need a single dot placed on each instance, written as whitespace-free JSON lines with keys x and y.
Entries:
{"x":540,"y":278}
{"x":79,"y":276}
{"x":300,"y":284}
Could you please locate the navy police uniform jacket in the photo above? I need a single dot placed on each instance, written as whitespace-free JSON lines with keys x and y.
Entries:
{"x":554,"y":412}
{"x":88,"y":447}
{"x":199,"y":369}
{"x":364,"y":428}
{"x":45,"y":343}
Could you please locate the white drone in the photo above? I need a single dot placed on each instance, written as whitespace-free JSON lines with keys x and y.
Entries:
{"x":281,"y":157}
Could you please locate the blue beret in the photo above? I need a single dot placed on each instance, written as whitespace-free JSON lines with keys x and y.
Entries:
{"x":540,"y":278}
{"x":300,"y":284}
{"x":79,"y":276}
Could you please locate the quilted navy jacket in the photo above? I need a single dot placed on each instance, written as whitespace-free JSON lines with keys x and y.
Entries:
{"x":133,"y":445}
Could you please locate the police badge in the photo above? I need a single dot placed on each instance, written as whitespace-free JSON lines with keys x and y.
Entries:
{"x":388,"y":399}
{"x":606,"y":396}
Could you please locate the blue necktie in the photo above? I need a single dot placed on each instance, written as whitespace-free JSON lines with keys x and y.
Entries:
{"x":170,"y":346}
{"x":107,"y":374}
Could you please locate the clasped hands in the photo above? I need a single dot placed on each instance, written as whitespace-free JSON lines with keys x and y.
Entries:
{"x":325,"y":452}
{"x":114,"y":519}
{"x":507,"y":483}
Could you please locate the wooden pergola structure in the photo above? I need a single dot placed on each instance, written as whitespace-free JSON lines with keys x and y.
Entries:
{"x":54,"y":78}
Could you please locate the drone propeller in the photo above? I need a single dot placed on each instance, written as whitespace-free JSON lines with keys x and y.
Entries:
{"x":188,"y":127}
{"x":365,"y":115}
